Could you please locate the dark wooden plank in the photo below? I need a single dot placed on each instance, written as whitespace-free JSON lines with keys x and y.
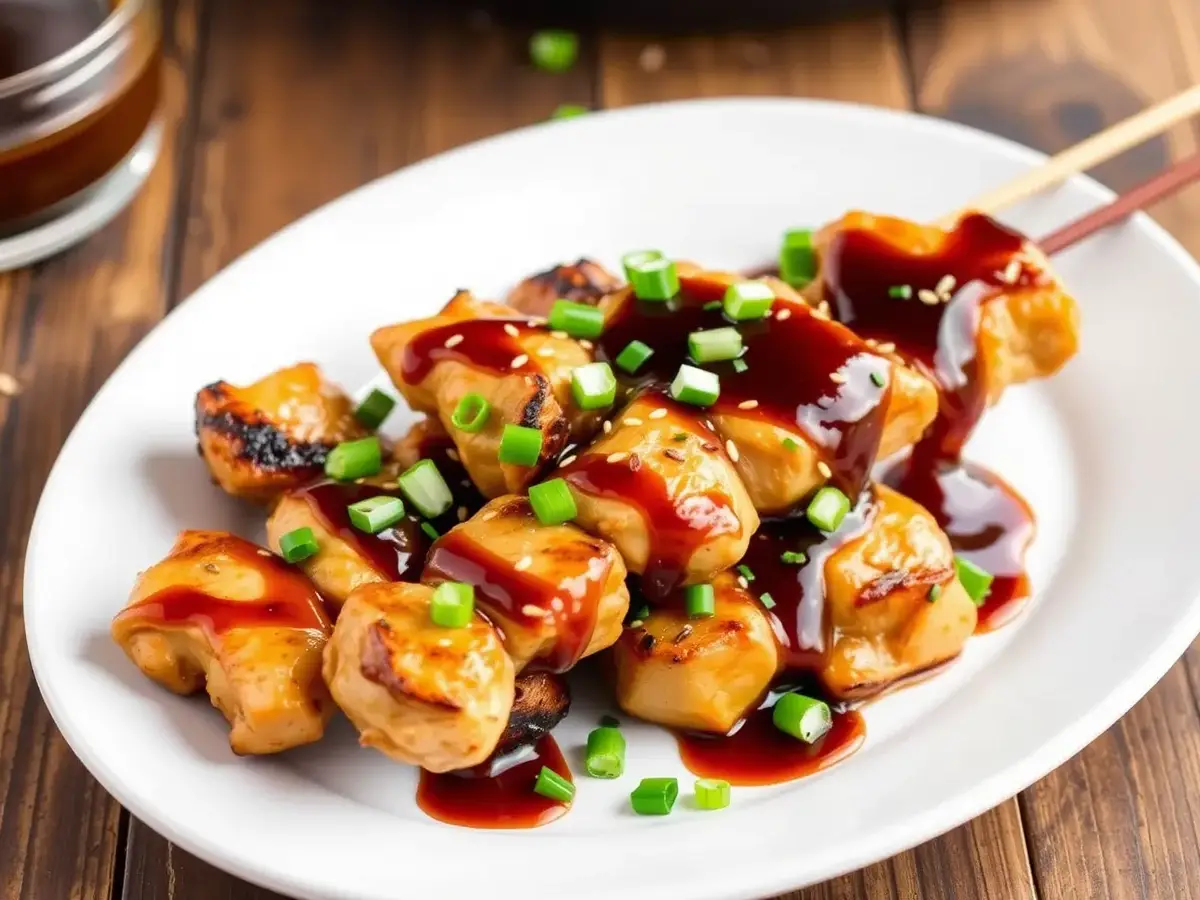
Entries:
{"x":353,"y":90}
{"x":64,"y":326}
{"x":859,"y":59}
{"x":1122,"y":819}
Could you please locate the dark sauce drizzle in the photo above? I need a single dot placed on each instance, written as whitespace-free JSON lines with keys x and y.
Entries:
{"x":497,"y":794}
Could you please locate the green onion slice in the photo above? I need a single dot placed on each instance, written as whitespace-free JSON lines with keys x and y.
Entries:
{"x":633,"y":356}
{"x":452,"y":604}
{"x":797,"y":258}
{"x":552,"y":785}
{"x":376,"y":513}
{"x":655,"y":279}
{"x":712,"y":793}
{"x":695,"y":386}
{"x":700,"y":600}
{"x":746,"y":572}
{"x":827,"y":508}
{"x":593,"y":386}
{"x":605,"y":753}
{"x":376,"y":407}
{"x":900,"y":292}
{"x":802,"y":717}
{"x":636,"y":258}
{"x":577,"y":319}
{"x":793,"y":558}
{"x":354,"y":459}
{"x":654,"y":796}
{"x":298,"y":545}
{"x":976,"y":581}
{"x":935,"y":593}
{"x":554,"y":50}
{"x":877,"y":379}
{"x":748,"y":300}
{"x":426,"y":489}
{"x":790,"y":445}
{"x":552,"y":502}
{"x":429,"y":531}
{"x":520,"y":446}
{"x":714,"y":345}
{"x":471,"y":413}
{"x":740,"y":365}
{"x":766,"y":600}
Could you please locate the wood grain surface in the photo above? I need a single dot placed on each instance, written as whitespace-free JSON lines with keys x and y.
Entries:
{"x":356,"y":89}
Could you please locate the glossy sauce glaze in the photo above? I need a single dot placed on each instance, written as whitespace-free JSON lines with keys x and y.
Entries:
{"x":985,"y":519}
{"x":498,"y":793}
{"x":758,"y":753}
{"x":288,"y":600}
{"x":484,"y":344}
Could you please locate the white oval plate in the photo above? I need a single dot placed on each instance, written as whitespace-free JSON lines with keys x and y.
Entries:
{"x":1094,"y":450}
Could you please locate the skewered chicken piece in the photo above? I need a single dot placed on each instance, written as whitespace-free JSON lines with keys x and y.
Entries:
{"x":220,"y":614}
{"x":522,"y":371}
{"x":435,"y":697}
{"x":583,"y":282}
{"x":555,"y":593}
{"x":273,"y":435}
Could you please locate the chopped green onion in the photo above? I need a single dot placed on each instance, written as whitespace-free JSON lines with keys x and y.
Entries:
{"x":748,"y":300}
{"x":552,"y":785}
{"x":712,"y":793}
{"x":712,"y":305}
{"x":569,"y":111}
{"x":640,"y":613}
{"x":700,"y":600}
{"x":740,"y":365}
{"x":577,"y":319}
{"x":827,"y":508}
{"x":766,"y":600}
{"x":746,"y":572}
{"x":714,"y":345}
{"x":298,"y":545}
{"x":935,"y":593}
{"x":679,"y":437}
{"x":376,"y":513}
{"x":976,"y":581}
{"x":695,"y":386}
{"x":802,"y":717}
{"x":631,"y":358}
{"x":593,"y":386}
{"x":790,"y":445}
{"x":792,"y":558}
{"x":605,"y":753}
{"x":430,"y":531}
{"x":654,"y":796}
{"x":630,"y":261}
{"x":552,"y":502}
{"x":376,"y":407}
{"x":471,"y":413}
{"x":877,"y":379}
{"x":520,"y":446}
{"x":900,"y":292}
{"x":452,"y":604}
{"x":553,"y":49}
{"x":354,"y":459}
{"x":426,"y":489}
{"x":610,"y":722}
{"x":797,"y":259}
{"x":655,"y":279}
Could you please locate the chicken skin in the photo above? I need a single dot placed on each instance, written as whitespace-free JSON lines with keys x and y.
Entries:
{"x":222,"y":615}
{"x":555,"y":593}
{"x":261,"y":440}
{"x":434,"y":697}
{"x":583,"y":281}
{"x":523,"y":371}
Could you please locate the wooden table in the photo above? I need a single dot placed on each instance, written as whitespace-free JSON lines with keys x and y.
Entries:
{"x":273,"y":107}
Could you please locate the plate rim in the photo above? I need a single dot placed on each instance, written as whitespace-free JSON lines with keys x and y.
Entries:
{"x":760,"y":881}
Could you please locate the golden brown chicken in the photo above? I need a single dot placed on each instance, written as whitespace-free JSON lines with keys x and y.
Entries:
{"x":422,"y":694}
{"x":273,"y":435}
{"x":555,"y":593}
{"x":523,"y":371}
{"x":583,"y":281}
{"x":222,"y":615}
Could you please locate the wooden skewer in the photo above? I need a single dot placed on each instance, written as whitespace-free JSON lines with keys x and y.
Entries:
{"x":1087,"y":154}
{"x":1164,"y":183}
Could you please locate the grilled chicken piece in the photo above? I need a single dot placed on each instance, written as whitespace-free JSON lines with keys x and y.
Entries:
{"x":542,"y":700}
{"x":556,"y":593}
{"x":220,"y":614}
{"x":523,"y":371}
{"x":582,"y":281}
{"x":661,"y":487}
{"x":273,"y":435}
{"x":702,"y":674}
{"x":434,"y":697}
{"x":877,"y":591}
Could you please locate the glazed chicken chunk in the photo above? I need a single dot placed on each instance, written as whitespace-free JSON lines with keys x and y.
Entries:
{"x":583,"y":281}
{"x":523,"y":371}
{"x":273,"y":435}
{"x":435,"y":697}
{"x":222,"y":615}
{"x":555,"y":592}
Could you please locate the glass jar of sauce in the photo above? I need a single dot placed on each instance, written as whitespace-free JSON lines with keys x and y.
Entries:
{"x":79,"y":85}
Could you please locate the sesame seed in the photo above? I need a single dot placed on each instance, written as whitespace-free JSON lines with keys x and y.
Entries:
{"x":561,"y":335}
{"x":928,"y":297}
{"x":871,"y":342}
{"x":709,"y":425}
{"x":586,"y":344}
{"x":823,"y":468}
{"x":682,"y":635}
{"x":534,"y":611}
{"x":617,"y":457}
{"x":453,"y":341}
{"x":635,"y":462}
{"x":606,"y":427}
{"x":537,"y":321}
{"x":390,"y":485}
{"x":659,"y":413}
{"x":631,"y":420}
{"x":566,"y":462}
{"x":452,"y":455}
{"x":782,"y":315}
{"x":837,"y":377}
{"x":732,"y":450}
{"x":519,"y":361}
{"x":546,"y":351}
{"x":9,"y":386}
{"x":511,"y":330}
{"x":886,"y":347}
{"x":1012,"y":271}
{"x":672,"y":453}
{"x":523,"y":563}
{"x":463,"y":512}
{"x":945,"y":285}
{"x":822,"y":311}
{"x":748,"y":404}
{"x":743,"y":582}
{"x":636,"y":623}
{"x":263,"y":552}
